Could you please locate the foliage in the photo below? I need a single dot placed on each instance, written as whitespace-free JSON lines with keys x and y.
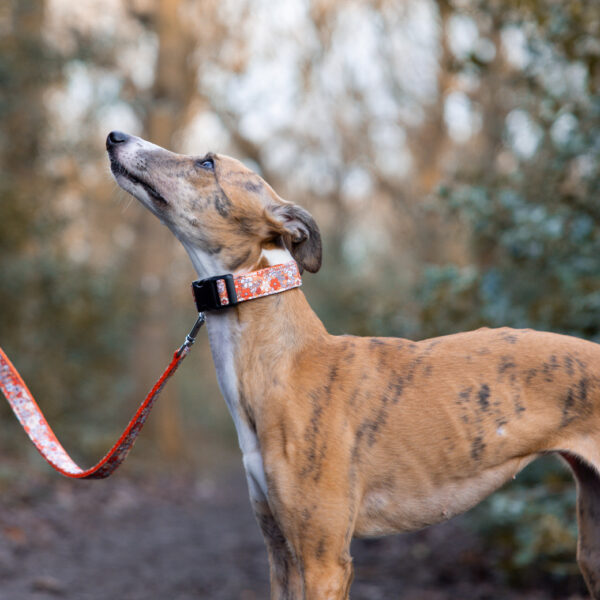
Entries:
{"x":531,"y":522}
{"x":62,"y":319}
{"x":531,"y":214}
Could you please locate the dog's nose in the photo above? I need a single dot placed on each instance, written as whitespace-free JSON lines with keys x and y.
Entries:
{"x":116,"y":137}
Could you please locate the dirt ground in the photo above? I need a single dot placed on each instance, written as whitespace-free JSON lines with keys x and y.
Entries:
{"x":183,"y":537}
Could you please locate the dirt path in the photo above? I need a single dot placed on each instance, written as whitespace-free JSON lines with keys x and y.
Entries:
{"x":182,"y":538}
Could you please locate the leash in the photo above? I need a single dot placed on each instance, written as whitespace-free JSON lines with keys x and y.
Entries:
{"x":212,"y":293}
{"x":35,"y":425}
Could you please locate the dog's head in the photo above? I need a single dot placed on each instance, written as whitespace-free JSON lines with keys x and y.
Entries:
{"x":224,"y":214}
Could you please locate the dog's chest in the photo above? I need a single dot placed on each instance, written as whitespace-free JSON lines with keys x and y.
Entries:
{"x":222,"y":335}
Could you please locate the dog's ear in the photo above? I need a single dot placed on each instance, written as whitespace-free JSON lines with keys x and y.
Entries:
{"x":300,"y":234}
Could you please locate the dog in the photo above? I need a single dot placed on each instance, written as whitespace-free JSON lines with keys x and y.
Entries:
{"x":348,"y":436}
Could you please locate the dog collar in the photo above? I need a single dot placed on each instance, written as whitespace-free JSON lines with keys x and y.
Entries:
{"x":224,"y":291}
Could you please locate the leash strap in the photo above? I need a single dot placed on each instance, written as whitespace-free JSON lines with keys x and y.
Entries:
{"x":31,"y":418}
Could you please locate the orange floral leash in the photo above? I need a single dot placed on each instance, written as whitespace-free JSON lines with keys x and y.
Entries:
{"x":248,"y":286}
{"x":40,"y":433}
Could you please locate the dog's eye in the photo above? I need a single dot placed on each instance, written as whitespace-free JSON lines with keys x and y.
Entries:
{"x":206,"y":163}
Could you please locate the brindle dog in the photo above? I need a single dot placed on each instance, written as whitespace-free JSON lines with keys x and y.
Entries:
{"x":347,"y":436}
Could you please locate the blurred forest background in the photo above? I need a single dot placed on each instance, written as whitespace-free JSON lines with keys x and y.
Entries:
{"x":449,"y":150}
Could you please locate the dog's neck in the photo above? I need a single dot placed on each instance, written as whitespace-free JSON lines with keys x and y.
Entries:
{"x":255,"y":341}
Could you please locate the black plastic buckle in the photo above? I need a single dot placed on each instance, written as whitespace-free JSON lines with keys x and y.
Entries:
{"x":206,"y":293}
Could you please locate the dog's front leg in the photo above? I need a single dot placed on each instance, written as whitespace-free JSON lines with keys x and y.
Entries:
{"x":316,"y":525}
{"x":321,"y":541}
{"x":286,"y":580}
{"x":328,"y":576}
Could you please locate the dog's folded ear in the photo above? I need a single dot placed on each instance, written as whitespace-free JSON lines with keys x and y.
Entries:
{"x":300,"y":234}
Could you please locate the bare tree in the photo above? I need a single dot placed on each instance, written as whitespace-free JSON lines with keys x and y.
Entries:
{"x":167,"y":111}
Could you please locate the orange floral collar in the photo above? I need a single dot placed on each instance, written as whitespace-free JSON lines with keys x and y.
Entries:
{"x":223,"y":291}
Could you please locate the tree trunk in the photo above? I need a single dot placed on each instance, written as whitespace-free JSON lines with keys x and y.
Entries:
{"x":171,"y":95}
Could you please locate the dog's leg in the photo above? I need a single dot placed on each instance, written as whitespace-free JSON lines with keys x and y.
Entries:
{"x":320,"y":534}
{"x":328,"y":576}
{"x":286,"y":580}
{"x":588,"y":520}
{"x":316,"y":565}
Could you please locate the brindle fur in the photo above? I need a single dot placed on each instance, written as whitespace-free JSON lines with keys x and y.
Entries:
{"x":370,"y":436}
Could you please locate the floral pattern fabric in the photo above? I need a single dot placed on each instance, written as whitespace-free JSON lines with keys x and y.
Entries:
{"x":35,"y":425}
{"x":263,"y":282}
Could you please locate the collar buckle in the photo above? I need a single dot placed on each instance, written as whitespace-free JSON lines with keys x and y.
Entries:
{"x":209,"y":293}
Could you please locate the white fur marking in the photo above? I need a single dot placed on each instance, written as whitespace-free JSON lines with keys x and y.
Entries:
{"x":223,"y":331}
{"x":276,"y":256}
{"x":255,"y":474}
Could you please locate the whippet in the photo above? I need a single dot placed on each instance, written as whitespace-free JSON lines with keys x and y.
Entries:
{"x":348,"y":436}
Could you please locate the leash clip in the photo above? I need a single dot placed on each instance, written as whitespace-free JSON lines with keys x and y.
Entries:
{"x":190,"y":338}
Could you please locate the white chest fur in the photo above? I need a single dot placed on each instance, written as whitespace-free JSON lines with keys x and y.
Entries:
{"x":221,"y":336}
